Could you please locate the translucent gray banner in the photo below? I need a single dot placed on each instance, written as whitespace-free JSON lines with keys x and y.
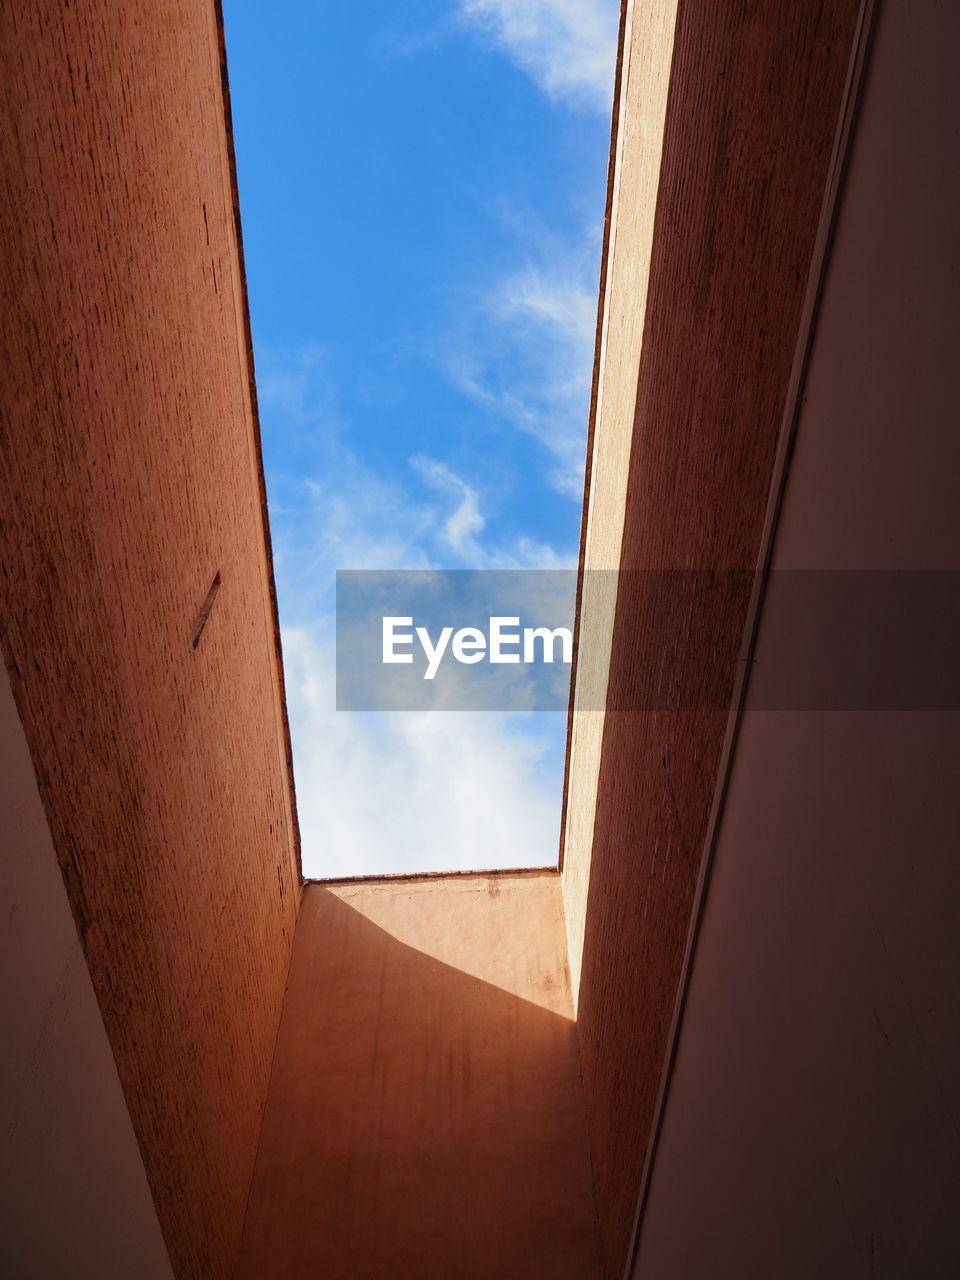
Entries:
{"x":501,"y":640}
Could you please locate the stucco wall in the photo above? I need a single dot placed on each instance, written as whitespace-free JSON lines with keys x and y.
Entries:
{"x":751,"y":112}
{"x":640,"y":114}
{"x":74,"y":1199}
{"x":425,"y":1116}
{"x":128,"y":479}
{"x":811,"y":1124}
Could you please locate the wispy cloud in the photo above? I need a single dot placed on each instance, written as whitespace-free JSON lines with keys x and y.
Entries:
{"x":421,"y":791}
{"x":462,"y":525}
{"x":462,"y":528}
{"x":446,"y":790}
{"x":524,"y":350}
{"x":380,"y":792}
{"x":567,"y":47}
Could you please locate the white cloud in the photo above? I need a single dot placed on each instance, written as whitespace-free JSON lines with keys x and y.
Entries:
{"x":332,"y":511}
{"x":567,"y":47}
{"x":465,"y":523}
{"x":439,"y":790}
{"x":525,"y":351}
{"x":297,"y":386}
{"x":415,"y":791}
{"x":397,"y":792}
{"x":461,"y":526}
{"x":552,"y":317}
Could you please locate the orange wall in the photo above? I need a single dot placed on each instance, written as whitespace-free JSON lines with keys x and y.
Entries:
{"x":751,"y":113}
{"x":811,"y":1126}
{"x":425,"y":1115}
{"x":128,"y":478}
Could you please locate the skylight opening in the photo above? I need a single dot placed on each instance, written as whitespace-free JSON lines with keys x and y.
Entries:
{"x":422,"y":195}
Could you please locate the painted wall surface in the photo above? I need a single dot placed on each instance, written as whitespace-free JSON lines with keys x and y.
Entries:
{"x":425,"y":1116}
{"x":128,"y":478}
{"x":74,"y":1199}
{"x":750,"y":117}
{"x":811,"y":1127}
{"x":640,"y":116}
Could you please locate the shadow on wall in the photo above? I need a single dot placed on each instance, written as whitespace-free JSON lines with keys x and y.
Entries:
{"x":420,"y":1121}
{"x":737,"y":213}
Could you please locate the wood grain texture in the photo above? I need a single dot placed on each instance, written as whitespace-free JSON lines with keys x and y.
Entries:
{"x":754,"y":96}
{"x":129,"y":477}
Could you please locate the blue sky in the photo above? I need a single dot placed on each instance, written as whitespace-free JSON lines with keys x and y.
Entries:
{"x":422,"y":198}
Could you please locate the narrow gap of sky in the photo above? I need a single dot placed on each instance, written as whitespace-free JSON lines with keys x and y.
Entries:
{"x":422,"y":191}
